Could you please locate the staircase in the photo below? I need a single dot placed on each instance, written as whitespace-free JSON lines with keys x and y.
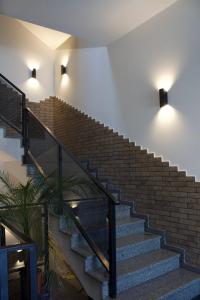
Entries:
{"x":147,"y":269}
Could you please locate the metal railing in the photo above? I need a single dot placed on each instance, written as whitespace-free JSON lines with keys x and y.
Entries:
{"x":26,"y":268}
{"x":49,"y":155}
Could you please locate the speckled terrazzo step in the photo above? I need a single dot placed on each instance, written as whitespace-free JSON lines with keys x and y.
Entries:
{"x":128,"y":246}
{"x":137,"y":270}
{"x":179,"y":284}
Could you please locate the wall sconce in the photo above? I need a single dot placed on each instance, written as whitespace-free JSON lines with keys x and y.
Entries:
{"x":63,"y":70}
{"x":33,"y":73}
{"x":163,"y":97}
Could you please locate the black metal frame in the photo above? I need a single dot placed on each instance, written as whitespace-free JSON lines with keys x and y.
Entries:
{"x":110,"y":265}
{"x":28,"y":245}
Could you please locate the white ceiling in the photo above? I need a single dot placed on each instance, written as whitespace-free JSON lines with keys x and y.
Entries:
{"x":98,"y":21}
{"x":50,"y":37}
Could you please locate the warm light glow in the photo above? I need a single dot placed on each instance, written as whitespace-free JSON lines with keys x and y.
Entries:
{"x":33,"y":83}
{"x":166,"y":114}
{"x":73,"y":205}
{"x":32,"y":64}
{"x":64,"y":80}
{"x":166,"y":127}
{"x":165,"y":82}
{"x":19,"y":263}
{"x":64,"y":60}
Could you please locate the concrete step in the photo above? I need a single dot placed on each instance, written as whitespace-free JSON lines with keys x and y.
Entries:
{"x":137,"y":270}
{"x":127,"y":247}
{"x":92,"y":209}
{"x":127,"y":226}
{"x":123,"y":211}
{"x":179,"y":284}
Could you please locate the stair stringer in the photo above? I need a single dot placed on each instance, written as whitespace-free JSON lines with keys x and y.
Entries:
{"x":183,"y":263}
{"x":77,"y":264}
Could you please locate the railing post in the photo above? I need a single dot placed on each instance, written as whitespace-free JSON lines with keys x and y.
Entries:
{"x":3,"y":275}
{"x":23,"y":116}
{"x":112,"y":251}
{"x":33,"y":273}
{"x":2,"y":236}
{"x":46,"y":241}
{"x":25,"y":139}
{"x":60,"y":177}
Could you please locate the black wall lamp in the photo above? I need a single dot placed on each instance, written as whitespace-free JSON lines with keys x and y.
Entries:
{"x":163,"y":97}
{"x":63,"y":69}
{"x":33,"y":73}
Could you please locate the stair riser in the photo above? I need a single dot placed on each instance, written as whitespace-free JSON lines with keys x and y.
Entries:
{"x":121,"y":230}
{"x":98,"y":218}
{"x":133,"y":279}
{"x":126,"y":252}
{"x":93,"y":208}
{"x":128,"y":229}
{"x":133,"y":250}
{"x":120,"y":214}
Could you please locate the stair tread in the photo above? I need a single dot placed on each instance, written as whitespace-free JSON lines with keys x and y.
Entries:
{"x":135,"y":238}
{"x":85,"y":250}
{"x":129,"y":220}
{"x":163,"y":285}
{"x":119,"y":222}
{"x":136,"y":263}
{"x":122,"y":207}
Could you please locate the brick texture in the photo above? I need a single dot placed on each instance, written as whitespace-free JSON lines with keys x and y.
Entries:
{"x":167,"y":195}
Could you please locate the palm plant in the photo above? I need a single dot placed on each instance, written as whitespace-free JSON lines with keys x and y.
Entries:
{"x":21,"y":203}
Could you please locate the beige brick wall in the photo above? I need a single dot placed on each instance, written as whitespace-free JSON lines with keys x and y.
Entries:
{"x":171,"y":198}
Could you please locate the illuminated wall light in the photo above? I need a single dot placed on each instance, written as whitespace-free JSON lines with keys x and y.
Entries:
{"x":163,"y":97}
{"x":63,"y":70}
{"x":74,"y":205}
{"x":33,"y":73}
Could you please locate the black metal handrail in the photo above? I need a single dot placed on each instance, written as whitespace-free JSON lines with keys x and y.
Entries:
{"x":59,"y":143}
{"x":10,"y":124}
{"x":12,"y":84}
{"x":23,"y":106}
{"x":110,"y":265}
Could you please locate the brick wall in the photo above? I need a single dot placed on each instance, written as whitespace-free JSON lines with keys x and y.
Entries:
{"x":171,"y":198}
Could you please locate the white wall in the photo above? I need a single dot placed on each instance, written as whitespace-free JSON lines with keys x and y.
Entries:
{"x":119,"y":85}
{"x":21,"y":50}
{"x":89,"y":84}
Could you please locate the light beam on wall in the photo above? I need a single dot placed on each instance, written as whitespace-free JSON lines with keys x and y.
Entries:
{"x":165,"y":82}
{"x":33,"y":83}
{"x":166,"y":115}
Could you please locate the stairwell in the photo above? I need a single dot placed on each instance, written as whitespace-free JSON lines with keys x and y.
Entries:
{"x":163,"y":192}
{"x":147,"y":267}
